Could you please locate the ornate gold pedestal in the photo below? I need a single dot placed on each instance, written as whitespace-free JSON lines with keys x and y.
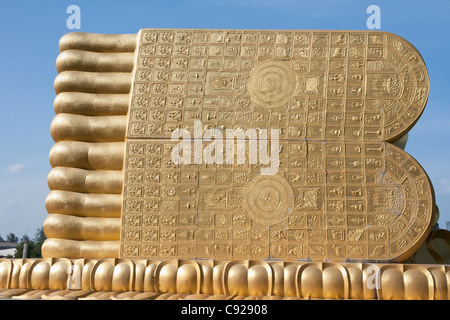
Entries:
{"x":211,"y":280}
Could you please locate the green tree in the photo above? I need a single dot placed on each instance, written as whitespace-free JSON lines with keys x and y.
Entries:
{"x":19,"y":248}
{"x":11,"y":237}
{"x":34,"y":245}
{"x":39,"y":238}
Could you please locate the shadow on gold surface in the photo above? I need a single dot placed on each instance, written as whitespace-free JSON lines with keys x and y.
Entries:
{"x":436,"y":249}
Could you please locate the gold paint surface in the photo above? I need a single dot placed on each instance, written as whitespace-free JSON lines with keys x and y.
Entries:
{"x":342,"y":191}
{"x":375,"y":82}
{"x":99,"y":279}
{"x":86,"y":182}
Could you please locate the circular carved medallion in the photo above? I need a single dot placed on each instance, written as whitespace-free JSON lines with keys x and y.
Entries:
{"x":272,"y":84}
{"x":268,"y":199}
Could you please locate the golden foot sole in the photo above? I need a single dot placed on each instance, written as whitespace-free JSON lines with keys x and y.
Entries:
{"x":336,"y":100}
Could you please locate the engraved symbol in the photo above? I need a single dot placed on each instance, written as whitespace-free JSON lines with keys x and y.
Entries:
{"x":308,"y":198}
{"x":355,"y":235}
{"x":296,"y":251}
{"x":268,"y":199}
{"x":272,"y":84}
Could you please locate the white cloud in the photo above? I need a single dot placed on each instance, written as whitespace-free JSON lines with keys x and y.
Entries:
{"x":5,"y":205}
{"x":443,"y":186}
{"x":17,"y":167}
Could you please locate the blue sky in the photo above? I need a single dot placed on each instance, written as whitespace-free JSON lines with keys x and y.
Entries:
{"x":29,"y":35}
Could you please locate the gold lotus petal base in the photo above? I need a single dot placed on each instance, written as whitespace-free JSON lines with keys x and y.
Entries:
{"x":123,"y":279}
